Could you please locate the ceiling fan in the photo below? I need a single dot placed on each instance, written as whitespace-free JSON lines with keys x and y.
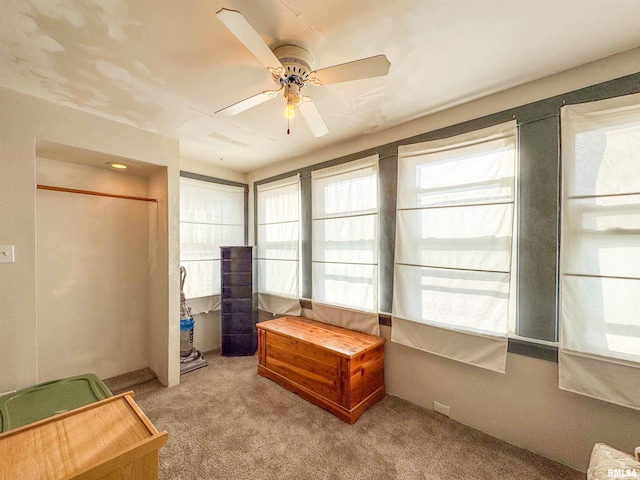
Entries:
{"x":290,"y":68}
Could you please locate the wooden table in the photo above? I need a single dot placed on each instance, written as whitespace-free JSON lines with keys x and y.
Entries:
{"x":111,"y":439}
{"x":337,"y":369}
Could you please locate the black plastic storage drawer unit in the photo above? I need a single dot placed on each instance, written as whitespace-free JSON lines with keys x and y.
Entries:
{"x":239,"y":312}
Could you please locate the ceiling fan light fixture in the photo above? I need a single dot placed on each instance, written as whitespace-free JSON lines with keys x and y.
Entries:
{"x":292,"y":97}
{"x":289,"y":110}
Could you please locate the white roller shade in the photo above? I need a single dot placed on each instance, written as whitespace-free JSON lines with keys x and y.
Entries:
{"x":600,"y":250}
{"x":211,"y":215}
{"x":278,"y":239}
{"x":345,"y":234}
{"x":454,"y":241}
{"x":345,"y":243}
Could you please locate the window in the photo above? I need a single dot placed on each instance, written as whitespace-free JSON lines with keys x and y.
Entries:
{"x":211,"y":216}
{"x":345,"y":235}
{"x":599,"y":352}
{"x":278,"y":237}
{"x":454,"y":243}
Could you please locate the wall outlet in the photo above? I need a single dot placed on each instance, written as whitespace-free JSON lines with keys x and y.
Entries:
{"x":441,"y":408}
{"x":7,"y":254}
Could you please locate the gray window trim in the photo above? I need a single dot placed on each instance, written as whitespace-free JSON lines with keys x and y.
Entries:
{"x":539,"y":204}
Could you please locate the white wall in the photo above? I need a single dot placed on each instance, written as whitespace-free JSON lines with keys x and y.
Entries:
{"x":211,"y":170}
{"x":207,"y":329}
{"x":23,"y":120}
{"x":163,"y":328}
{"x":524,"y":407}
{"x":92,"y":278}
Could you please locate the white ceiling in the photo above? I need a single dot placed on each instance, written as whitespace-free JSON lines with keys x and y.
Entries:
{"x":168,"y":65}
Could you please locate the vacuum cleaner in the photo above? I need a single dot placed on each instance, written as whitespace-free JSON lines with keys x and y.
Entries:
{"x":190,"y":358}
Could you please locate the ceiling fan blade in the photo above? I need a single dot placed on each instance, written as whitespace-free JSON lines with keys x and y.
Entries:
{"x":242,"y":29}
{"x":365,"y":68}
{"x":247,"y":103}
{"x":313,"y":118}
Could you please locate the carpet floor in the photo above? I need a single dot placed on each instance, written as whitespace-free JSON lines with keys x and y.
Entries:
{"x":226,"y":422}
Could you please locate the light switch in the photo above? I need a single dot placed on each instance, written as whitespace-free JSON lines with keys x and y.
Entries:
{"x":7,"y":254}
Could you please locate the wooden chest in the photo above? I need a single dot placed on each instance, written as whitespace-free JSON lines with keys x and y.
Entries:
{"x":337,"y":369}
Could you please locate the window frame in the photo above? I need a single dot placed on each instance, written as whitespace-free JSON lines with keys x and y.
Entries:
{"x":320,"y":216}
{"x":286,"y":182}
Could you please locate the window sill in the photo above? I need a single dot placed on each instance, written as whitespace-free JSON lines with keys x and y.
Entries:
{"x":542,"y":351}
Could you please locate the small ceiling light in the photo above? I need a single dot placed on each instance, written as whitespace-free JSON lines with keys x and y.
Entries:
{"x":118,"y":165}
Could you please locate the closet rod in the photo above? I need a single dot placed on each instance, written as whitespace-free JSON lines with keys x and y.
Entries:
{"x":89,"y":192}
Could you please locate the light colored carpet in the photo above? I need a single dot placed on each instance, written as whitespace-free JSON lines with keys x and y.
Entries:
{"x":226,"y":422}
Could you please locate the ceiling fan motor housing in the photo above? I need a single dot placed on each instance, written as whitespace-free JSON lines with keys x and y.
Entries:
{"x":296,"y":62}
